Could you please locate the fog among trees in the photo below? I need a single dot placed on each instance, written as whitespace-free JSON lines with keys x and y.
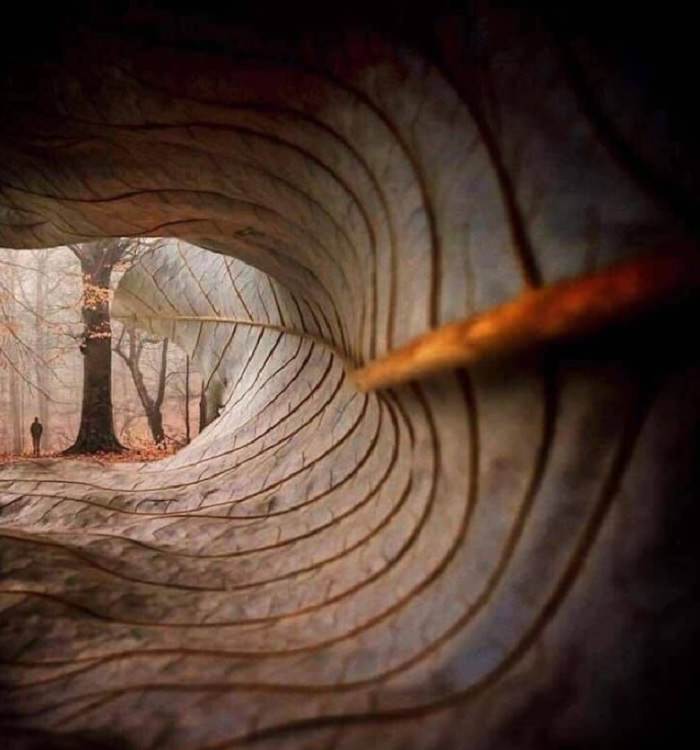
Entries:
{"x":54,"y":317}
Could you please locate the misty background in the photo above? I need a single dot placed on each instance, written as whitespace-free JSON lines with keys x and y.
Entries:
{"x":41,"y":363}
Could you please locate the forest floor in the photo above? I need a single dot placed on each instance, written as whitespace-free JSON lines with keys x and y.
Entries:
{"x":131,"y":455}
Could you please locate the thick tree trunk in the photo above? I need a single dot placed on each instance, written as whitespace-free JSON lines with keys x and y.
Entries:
{"x":96,"y":433}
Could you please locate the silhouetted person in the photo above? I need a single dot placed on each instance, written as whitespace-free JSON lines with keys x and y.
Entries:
{"x":36,"y":429}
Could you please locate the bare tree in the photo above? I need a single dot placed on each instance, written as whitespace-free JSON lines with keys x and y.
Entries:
{"x":187,"y":399}
{"x":16,"y":400}
{"x":130,"y":347}
{"x":40,"y":339}
{"x":183,"y":386}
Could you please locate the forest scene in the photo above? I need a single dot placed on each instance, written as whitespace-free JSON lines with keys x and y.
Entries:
{"x":97,"y":386}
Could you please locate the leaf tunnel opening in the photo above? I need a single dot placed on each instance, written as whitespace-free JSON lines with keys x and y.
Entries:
{"x":497,"y":557}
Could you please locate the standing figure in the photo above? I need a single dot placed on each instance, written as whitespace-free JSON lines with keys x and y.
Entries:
{"x":36,"y":429}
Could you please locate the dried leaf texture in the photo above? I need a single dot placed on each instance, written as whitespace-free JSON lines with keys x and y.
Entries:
{"x":498,"y":558}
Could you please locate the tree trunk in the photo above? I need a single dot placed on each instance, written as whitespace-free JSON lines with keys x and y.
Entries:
{"x":96,"y":433}
{"x":151,"y":406}
{"x":155,"y":424}
{"x":15,"y":383}
{"x":203,"y":409}
{"x":42,"y":379}
{"x":155,"y":419}
{"x":16,"y":412}
{"x":187,"y":399}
